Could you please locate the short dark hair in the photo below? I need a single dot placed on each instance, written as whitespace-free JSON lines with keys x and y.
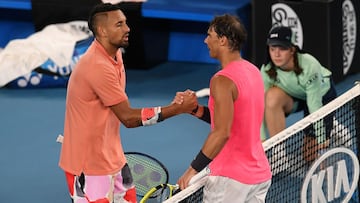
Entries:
{"x":232,"y":28}
{"x":100,"y":8}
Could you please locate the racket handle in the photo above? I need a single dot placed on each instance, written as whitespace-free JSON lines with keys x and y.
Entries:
{"x":199,"y":175}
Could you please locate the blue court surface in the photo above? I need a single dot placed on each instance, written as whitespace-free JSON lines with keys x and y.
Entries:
{"x":31,"y":119}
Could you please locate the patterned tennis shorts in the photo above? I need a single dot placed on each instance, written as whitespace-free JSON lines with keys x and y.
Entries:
{"x":117,"y":188}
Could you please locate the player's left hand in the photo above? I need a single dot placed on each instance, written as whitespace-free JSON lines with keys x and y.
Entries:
{"x":184,"y":180}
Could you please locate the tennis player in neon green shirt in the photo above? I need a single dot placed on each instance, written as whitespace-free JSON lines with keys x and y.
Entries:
{"x":295,"y":81}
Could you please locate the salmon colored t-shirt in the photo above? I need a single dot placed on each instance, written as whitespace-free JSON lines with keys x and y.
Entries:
{"x":92,"y":143}
{"x":243,"y":158}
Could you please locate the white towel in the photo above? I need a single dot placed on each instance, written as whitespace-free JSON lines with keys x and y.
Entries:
{"x":55,"y":42}
{"x":205,"y":92}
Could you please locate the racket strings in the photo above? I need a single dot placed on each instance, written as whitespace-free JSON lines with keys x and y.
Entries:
{"x":147,"y":172}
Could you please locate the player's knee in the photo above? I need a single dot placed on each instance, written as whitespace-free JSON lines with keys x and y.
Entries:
{"x":276,"y":98}
{"x":272,"y":101}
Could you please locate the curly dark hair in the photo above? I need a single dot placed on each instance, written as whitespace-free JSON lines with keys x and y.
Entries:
{"x":232,"y":28}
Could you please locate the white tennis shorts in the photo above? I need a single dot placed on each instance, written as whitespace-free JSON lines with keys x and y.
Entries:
{"x":220,"y":189}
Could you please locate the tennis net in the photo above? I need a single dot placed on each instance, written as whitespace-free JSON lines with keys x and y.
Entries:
{"x":331,"y":175}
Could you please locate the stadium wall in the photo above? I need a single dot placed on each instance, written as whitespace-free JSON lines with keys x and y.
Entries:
{"x":164,"y":31}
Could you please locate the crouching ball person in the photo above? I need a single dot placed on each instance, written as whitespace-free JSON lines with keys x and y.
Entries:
{"x":96,"y":103}
{"x":296,"y":81}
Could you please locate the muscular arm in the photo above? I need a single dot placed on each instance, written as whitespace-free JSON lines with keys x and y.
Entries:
{"x":224,"y":93}
{"x":131,"y":117}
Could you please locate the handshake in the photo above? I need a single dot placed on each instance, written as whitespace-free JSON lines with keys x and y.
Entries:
{"x":186,"y":101}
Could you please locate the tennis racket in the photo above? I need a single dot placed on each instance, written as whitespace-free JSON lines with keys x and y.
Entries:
{"x":149,"y":174}
{"x":160,"y":193}
{"x":151,"y":177}
{"x":163,"y":192}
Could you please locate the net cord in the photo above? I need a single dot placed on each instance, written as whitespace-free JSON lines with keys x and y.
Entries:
{"x":195,"y":183}
{"x":187,"y":191}
{"x":317,"y":115}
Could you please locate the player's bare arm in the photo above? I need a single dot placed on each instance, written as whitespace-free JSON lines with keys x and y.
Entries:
{"x":132,"y":117}
{"x":224,"y":92}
